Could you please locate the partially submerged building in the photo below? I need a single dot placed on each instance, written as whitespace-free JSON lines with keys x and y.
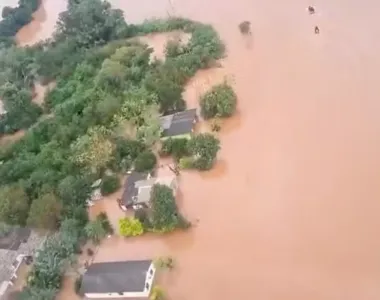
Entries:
{"x":17,"y":246}
{"x":138,"y":187}
{"x":179,"y":125}
{"x":120,"y":279}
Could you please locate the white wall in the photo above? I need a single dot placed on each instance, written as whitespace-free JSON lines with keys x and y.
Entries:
{"x":116,"y":295}
{"x":145,"y":294}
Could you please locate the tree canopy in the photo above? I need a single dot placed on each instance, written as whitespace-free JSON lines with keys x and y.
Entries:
{"x":103,"y":115}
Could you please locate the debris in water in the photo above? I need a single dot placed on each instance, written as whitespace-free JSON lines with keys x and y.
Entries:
{"x":245,"y":27}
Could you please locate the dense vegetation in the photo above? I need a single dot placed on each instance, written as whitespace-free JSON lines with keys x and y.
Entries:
{"x":220,"y":101}
{"x":102,"y":115}
{"x":198,"y":153}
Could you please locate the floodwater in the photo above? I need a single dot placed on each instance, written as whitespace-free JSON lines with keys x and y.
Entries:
{"x":291,"y":210}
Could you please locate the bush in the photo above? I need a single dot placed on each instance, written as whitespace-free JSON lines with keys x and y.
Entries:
{"x":146,"y":161}
{"x":103,"y":218}
{"x":220,"y":101}
{"x":157,"y":293}
{"x":78,"y":284}
{"x":142,"y":215}
{"x":176,"y":147}
{"x":130,"y":227}
{"x":186,"y":162}
{"x":109,"y":185}
{"x":204,"y":148}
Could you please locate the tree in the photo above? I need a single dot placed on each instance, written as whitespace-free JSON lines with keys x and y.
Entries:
{"x":130,"y":227}
{"x":14,"y":205}
{"x":146,"y":161}
{"x":164,"y":209}
{"x":90,"y":23}
{"x":95,"y":231}
{"x":7,"y":10}
{"x":33,"y":293}
{"x":45,"y":212}
{"x":220,"y":101}
{"x":109,"y":185}
{"x":204,"y":148}
{"x":93,"y":150}
{"x":178,"y":147}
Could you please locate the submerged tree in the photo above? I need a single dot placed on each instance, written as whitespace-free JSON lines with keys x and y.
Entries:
{"x":245,"y":27}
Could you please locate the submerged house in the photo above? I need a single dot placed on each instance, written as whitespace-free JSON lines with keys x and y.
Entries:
{"x":120,"y":279}
{"x":138,"y":186}
{"x":179,"y":125}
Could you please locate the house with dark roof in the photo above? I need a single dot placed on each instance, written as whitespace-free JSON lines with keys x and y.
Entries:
{"x":120,"y":279}
{"x":138,"y":186}
{"x":178,"y":125}
{"x":17,"y":246}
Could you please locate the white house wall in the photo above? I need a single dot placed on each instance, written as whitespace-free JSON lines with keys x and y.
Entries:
{"x":117,"y":295}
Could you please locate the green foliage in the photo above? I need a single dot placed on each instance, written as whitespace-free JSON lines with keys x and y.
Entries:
{"x":220,"y":101}
{"x":164,"y":263}
{"x":90,"y":23}
{"x":178,"y":147}
{"x":103,"y":114}
{"x":78,"y":285}
{"x":45,"y":212}
{"x":130,"y":227}
{"x":157,"y":293}
{"x":14,"y":205}
{"x":93,"y":150}
{"x":15,"y":18}
{"x":110,"y":184}
{"x":143,"y":216}
{"x":37,"y":294}
{"x":103,"y":218}
{"x":95,"y":231}
{"x":186,"y":162}
{"x":57,"y":251}
{"x":164,"y":216}
{"x":145,"y":161}
{"x":204,"y":148}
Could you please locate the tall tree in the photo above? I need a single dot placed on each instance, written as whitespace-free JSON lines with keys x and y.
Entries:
{"x":14,"y":205}
{"x":93,"y":150}
{"x":45,"y":212}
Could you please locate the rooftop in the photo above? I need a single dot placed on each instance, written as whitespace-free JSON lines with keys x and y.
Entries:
{"x":16,"y":242}
{"x":138,"y":186}
{"x":115,"y":277}
{"x":178,"y":123}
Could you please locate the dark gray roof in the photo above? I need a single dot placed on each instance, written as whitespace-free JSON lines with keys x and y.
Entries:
{"x":115,"y":277}
{"x":180,"y":122}
{"x":130,"y":189}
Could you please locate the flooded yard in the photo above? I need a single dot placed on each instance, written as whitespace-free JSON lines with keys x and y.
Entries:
{"x":290,"y":211}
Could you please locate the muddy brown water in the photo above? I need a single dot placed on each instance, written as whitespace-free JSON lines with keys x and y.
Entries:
{"x":291,"y":211}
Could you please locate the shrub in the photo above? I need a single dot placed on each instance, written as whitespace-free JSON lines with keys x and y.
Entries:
{"x":164,"y":263}
{"x":109,"y":185}
{"x":157,"y":293}
{"x":142,"y":215}
{"x":78,"y":284}
{"x":176,"y":147}
{"x":186,"y":162}
{"x":220,"y":101}
{"x":146,"y":161}
{"x":103,"y":218}
{"x":204,"y":148}
{"x":130,"y":227}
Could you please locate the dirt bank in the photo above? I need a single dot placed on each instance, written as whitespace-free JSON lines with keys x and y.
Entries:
{"x":291,"y":210}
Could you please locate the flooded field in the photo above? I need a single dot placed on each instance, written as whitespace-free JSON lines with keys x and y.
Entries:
{"x":290,"y":211}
